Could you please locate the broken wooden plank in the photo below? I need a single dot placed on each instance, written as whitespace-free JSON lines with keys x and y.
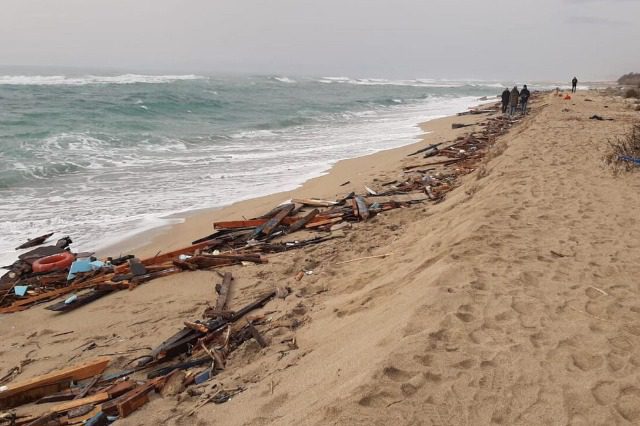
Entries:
{"x":34,"y":241}
{"x":137,"y":397}
{"x":313,"y":202}
{"x":30,"y":390}
{"x":120,"y":388}
{"x":211,"y":261}
{"x":164,"y":257}
{"x":271,"y":213}
{"x":300,"y":223}
{"x":268,"y":228}
{"x":93,"y":399}
{"x":223,"y":293}
{"x":81,"y":300}
{"x":363,"y":210}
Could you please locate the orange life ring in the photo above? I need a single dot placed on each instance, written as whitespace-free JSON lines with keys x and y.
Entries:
{"x":54,"y":262}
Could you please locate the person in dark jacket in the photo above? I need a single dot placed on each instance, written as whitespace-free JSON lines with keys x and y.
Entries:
{"x":513,"y":100}
{"x":574,"y":85}
{"x":524,"y":99}
{"x":505,"y":100}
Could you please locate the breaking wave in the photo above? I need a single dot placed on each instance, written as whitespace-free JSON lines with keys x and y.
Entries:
{"x":62,"y":80}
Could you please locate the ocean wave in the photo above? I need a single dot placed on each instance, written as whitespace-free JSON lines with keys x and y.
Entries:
{"x":284,"y":80}
{"x":420,"y":82}
{"x":61,"y":80}
{"x":252,"y":134}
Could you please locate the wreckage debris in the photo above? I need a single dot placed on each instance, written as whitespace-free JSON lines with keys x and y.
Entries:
{"x":201,"y":348}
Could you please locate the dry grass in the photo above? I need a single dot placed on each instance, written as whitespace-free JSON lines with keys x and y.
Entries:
{"x":627,"y":146}
{"x":632,"y":93}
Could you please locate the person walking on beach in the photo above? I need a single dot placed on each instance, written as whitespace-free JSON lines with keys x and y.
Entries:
{"x":505,"y":100}
{"x":513,"y":100}
{"x":524,"y":99}
{"x":574,"y":85}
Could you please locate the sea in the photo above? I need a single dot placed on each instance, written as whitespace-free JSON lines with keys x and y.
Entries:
{"x":103,"y":156}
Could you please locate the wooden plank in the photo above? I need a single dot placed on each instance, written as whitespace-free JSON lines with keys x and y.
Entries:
{"x":223,"y":293}
{"x":22,"y":304}
{"x":270,"y":226}
{"x":363,"y":210}
{"x":93,"y":399}
{"x":164,"y":257}
{"x":254,"y":223}
{"x":211,"y":261}
{"x":313,"y":202}
{"x":120,"y":388}
{"x":34,"y":241}
{"x":82,"y":300}
{"x":136,"y":398}
{"x":399,"y":198}
{"x":23,"y":392}
{"x":271,"y":213}
{"x":300,"y":223}
{"x":235,"y":224}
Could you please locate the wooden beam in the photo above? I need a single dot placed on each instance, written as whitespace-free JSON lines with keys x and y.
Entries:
{"x":300,"y":223}
{"x":136,"y":398}
{"x":313,"y":202}
{"x":223,"y":294}
{"x":268,"y":227}
{"x":26,"y":391}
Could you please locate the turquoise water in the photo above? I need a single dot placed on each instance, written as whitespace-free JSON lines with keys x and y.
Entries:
{"x":101,"y":157}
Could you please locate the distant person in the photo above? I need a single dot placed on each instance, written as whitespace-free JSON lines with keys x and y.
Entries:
{"x":524,"y":99}
{"x":513,"y":100}
{"x":574,"y":85}
{"x":505,"y":100}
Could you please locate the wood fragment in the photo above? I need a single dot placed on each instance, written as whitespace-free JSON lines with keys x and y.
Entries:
{"x":223,"y":294}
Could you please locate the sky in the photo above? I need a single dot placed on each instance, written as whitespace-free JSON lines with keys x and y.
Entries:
{"x":494,"y":39}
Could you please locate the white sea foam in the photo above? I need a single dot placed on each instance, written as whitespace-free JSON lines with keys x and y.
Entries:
{"x":53,"y":80}
{"x":285,"y":80}
{"x":420,"y":82}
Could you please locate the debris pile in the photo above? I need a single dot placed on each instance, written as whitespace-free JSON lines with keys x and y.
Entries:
{"x":200,"y":350}
{"x":85,"y":393}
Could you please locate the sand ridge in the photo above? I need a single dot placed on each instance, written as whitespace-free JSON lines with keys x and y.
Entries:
{"x":514,"y":301}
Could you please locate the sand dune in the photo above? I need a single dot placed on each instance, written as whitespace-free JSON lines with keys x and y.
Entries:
{"x":515,"y":301}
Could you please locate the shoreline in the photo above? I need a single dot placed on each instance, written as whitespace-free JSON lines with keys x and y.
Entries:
{"x":358,"y":171}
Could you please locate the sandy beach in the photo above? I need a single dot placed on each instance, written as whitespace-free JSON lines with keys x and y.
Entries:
{"x":513,"y":301}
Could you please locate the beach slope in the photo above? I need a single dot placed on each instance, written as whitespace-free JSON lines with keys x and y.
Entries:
{"x":514,"y":301}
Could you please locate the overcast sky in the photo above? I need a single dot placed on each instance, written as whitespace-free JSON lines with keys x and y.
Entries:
{"x":493,"y":39}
